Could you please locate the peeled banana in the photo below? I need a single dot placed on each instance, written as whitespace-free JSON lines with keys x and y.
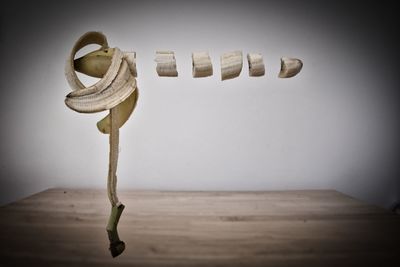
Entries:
{"x":116,"y":92}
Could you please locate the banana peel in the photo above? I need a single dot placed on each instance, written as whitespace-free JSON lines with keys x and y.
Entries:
{"x":96,"y":64}
{"x":124,"y":110}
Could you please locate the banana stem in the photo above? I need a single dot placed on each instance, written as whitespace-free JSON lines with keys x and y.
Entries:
{"x":116,"y":245}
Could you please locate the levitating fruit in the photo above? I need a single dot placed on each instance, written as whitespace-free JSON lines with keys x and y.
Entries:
{"x":166,"y":64}
{"x":231,"y":65}
{"x":201,"y":63}
{"x":256,"y":64}
{"x":290,"y":67}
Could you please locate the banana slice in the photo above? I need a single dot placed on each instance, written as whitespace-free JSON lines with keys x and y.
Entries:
{"x":166,"y":64}
{"x":124,"y":110}
{"x":290,"y":67}
{"x":231,"y":65}
{"x":96,"y":63}
{"x":256,"y":64}
{"x":202,"y":66}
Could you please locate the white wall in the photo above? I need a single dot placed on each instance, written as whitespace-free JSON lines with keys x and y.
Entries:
{"x":333,"y":126}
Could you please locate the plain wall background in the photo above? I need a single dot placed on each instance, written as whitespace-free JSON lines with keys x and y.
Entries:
{"x":334,"y":126}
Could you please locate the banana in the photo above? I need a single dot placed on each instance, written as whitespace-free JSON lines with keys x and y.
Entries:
{"x":116,"y":91}
{"x":202,"y":66}
{"x":290,"y":67}
{"x":166,"y":64}
{"x":231,"y":65}
{"x":256,"y":64}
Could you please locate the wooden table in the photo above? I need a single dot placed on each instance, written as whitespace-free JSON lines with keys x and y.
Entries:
{"x":66,"y":227}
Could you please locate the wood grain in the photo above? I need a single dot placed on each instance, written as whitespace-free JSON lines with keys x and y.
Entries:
{"x":66,"y":227}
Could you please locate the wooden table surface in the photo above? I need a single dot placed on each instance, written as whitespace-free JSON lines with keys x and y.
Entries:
{"x":66,"y":227}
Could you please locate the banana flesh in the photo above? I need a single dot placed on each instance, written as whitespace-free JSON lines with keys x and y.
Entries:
{"x":202,"y":66}
{"x":290,"y":67}
{"x":166,"y":64}
{"x":116,"y":91}
{"x":231,"y":65}
{"x":256,"y":64}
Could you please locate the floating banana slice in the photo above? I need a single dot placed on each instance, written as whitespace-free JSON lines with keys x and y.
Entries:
{"x":231,"y":65}
{"x":290,"y":67}
{"x":166,"y":64}
{"x":256,"y":64}
{"x":202,"y":66}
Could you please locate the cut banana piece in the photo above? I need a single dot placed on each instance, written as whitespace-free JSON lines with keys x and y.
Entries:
{"x":290,"y":67}
{"x":202,"y":66}
{"x":256,"y":64}
{"x":166,"y":64}
{"x":231,"y":65}
{"x":124,"y":111}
